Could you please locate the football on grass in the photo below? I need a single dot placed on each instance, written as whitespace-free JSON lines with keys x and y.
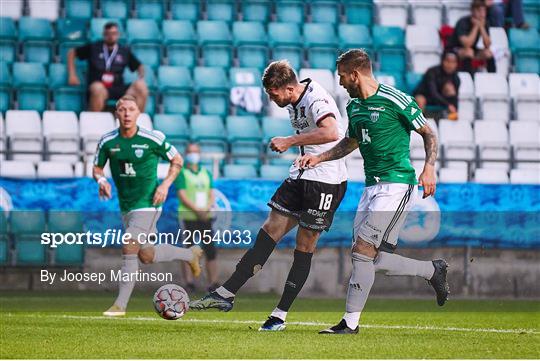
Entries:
{"x":171,"y":302}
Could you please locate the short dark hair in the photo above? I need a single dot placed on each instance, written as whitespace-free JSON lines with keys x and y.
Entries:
{"x":126,"y":97}
{"x":355,"y":59}
{"x":110,"y":24}
{"x":278,"y":74}
{"x":478,"y":4}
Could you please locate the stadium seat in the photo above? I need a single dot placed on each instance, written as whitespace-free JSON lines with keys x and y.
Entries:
{"x":119,"y":9}
{"x":4,"y":240}
{"x":46,"y":9}
{"x":416,"y":145}
{"x":524,"y":176}
{"x":66,"y":97}
{"x":453,"y":175}
{"x":457,"y":140}
{"x":244,"y":135}
{"x":176,"y":87}
{"x":17,"y":169}
{"x":491,"y":139}
{"x":525,"y":47}
{"x":245,"y":77}
{"x":213,"y":90}
{"x":92,"y":126}
{"x":145,"y":41}
{"x":144,"y":121}
{"x":188,"y":10}
{"x":154,"y":10}
{"x":12,"y":9}
{"x":427,"y":13}
{"x":79,"y":9}
{"x":23,"y":131}
{"x":96,"y":28}
{"x":251,"y":43}
{"x":389,"y":42}
{"x":54,"y":169}
{"x":321,"y":76}
{"x":181,"y":41}
{"x":354,"y":36}
{"x":392,"y":12}
{"x":3,"y":146}
{"x":239,"y":171}
{"x":325,"y":11}
{"x":30,"y":81}
{"x":499,"y":46}
{"x":413,"y":79}
{"x":359,"y":12}
{"x":531,"y":12}
{"x":67,"y":221}
{"x":285,"y":41}
{"x":245,"y":88}
{"x":210,"y":132}
{"x":322,"y":46}
{"x":221,"y":10}
{"x":490,"y":176}
{"x":492,"y":91}
{"x":70,"y":33}
{"x":525,"y":93}
{"x":215,"y":40}
{"x":466,"y":99}
{"x":8,"y":37}
{"x":175,"y":128}
{"x":525,"y":141}
{"x":274,"y":172}
{"x":456,"y":9}
{"x":290,"y":11}
{"x":256,"y":10}
{"x":26,"y":227}
{"x":149,"y":77}
{"x":61,"y":133}
{"x":394,"y":79}
{"x":37,"y":37}
{"x":424,"y":46}
{"x":275,"y":127}
{"x":5,"y":87}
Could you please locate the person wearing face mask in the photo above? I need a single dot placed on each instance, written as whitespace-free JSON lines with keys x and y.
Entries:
{"x":195,"y":191}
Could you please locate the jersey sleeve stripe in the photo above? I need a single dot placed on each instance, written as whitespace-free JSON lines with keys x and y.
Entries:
{"x":172,"y":152}
{"x":392,"y":98}
{"x":104,"y":139}
{"x":419,"y":122}
{"x":329,"y":114}
{"x":151,"y":137}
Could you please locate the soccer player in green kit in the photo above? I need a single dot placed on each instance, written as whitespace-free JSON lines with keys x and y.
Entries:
{"x":380,"y":121}
{"x":133,"y":154}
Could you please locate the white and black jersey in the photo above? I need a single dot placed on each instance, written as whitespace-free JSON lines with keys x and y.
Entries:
{"x":314,"y":105}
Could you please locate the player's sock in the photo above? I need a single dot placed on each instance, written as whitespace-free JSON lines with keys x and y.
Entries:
{"x":362,"y":277}
{"x":396,"y":265}
{"x":295,"y":280}
{"x":282,"y":315}
{"x":167,"y":252}
{"x":252,"y":262}
{"x":130,"y":264}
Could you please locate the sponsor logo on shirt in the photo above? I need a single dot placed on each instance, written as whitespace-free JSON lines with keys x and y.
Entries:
{"x":379,"y":109}
{"x":141,"y":146}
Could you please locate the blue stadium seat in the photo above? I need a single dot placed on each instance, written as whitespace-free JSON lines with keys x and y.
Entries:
{"x":359,"y":12}
{"x":175,"y":128}
{"x":525,"y":47}
{"x":251,"y":43}
{"x":63,"y":221}
{"x":96,"y":28}
{"x":5,"y":87}
{"x":70,"y":33}
{"x":274,"y":172}
{"x":154,"y":10}
{"x":239,"y":171}
{"x":245,"y":77}
{"x":389,"y":42}
{"x":221,"y":10}
{"x":181,"y":41}
{"x":30,"y":83}
{"x":115,"y":8}
{"x":215,"y":40}
{"x":290,"y":11}
{"x":325,"y":11}
{"x":149,"y":77}
{"x":79,"y":9}
{"x":353,"y":36}
{"x":8,"y":37}
{"x":26,"y":227}
{"x":286,"y":43}
{"x":37,"y":37}
{"x":321,"y":44}
{"x":275,"y":127}
{"x":66,"y":97}
{"x":176,"y":87}
{"x":398,"y":80}
{"x":531,"y":12}
{"x":4,"y":240}
{"x":210,"y":132}
{"x":245,"y":138}
{"x":412,"y":80}
{"x":213,"y":90}
{"x":145,"y":40}
{"x":185,"y":10}
{"x":256,"y":10}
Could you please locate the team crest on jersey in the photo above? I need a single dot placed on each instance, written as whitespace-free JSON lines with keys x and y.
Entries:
{"x":374,"y":117}
{"x":139,"y":152}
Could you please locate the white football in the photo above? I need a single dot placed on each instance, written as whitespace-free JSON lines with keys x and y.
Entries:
{"x":171,"y":302}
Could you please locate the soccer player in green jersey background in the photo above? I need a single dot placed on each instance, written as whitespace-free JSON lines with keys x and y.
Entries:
{"x":133,"y":154}
{"x":380,"y":121}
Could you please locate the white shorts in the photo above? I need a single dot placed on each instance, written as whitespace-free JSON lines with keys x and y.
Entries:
{"x":141,"y":222}
{"x":382,"y":211}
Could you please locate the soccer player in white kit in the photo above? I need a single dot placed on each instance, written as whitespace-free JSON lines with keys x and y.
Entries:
{"x":308,"y":198}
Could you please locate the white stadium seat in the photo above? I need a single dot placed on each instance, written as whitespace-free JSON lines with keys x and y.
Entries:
{"x":525,"y":176}
{"x":321,"y":76}
{"x":456,"y":138}
{"x":162,"y":170}
{"x":492,"y":92}
{"x":54,"y":169}
{"x":12,"y":8}
{"x":23,"y":130}
{"x":490,"y":176}
{"x":355,"y":169}
{"x":424,"y":46}
{"x":466,"y":99}
{"x":525,"y":139}
{"x":47,"y":9}
{"x":2,"y":138}
{"x":92,"y":126}
{"x":427,"y":12}
{"x":525,"y":92}
{"x":416,"y":146}
{"x":499,"y":48}
{"x":491,"y":138}
{"x":455,"y":10}
{"x":453,"y":175}
{"x":17,"y":169}
{"x":392,"y":12}
{"x":78,"y":169}
{"x":61,"y":132}
{"x":90,"y":165}
{"x":275,"y":111}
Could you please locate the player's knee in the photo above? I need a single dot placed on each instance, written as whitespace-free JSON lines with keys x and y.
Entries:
{"x":97,"y":89}
{"x":140,"y":87}
{"x":364,"y":248}
{"x":307,"y":240}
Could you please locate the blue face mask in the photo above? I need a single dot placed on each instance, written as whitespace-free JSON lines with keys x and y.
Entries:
{"x":193,"y":158}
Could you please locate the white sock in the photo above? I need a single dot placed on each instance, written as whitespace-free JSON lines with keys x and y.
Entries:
{"x":279,"y":314}
{"x":396,"y":265}
{"x":223,"y":292}
{"x":362,"y":277}
{"x":130,"y":264}
{"x":167,"y":252}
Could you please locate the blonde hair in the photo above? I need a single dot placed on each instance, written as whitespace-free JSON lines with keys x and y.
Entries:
{"x":125,"y":98}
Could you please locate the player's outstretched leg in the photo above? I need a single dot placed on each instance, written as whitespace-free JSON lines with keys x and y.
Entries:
{"x":167,"y":252}
{"x":438,"y":281}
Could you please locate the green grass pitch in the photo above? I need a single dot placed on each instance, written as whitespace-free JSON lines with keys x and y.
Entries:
{"x":69,"y":325}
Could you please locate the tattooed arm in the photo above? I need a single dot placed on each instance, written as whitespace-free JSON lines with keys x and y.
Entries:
{"x":340,"y":150}
{"x":427,"y":178}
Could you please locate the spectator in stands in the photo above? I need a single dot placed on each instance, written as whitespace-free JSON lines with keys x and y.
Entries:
{"x":107,"y":60}
{"x":466,"y":35}
{"x":195,"y":190}
{"x":499,"y":10}
{"x":439,"y":85}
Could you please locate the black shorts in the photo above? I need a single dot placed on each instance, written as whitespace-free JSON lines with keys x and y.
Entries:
{"x":312,"y":203}
{"x":117,"y":91}
{"x":208,"y":248}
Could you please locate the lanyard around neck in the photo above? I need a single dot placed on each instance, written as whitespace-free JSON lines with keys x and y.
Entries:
{"x":109,"y":58}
